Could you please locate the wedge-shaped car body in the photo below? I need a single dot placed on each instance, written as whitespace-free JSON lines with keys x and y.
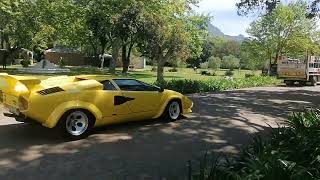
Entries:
{"x":75,"y":104}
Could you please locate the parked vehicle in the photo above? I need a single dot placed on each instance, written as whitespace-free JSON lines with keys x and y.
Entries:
{"x":76,"y":104}
{"x":299,"y":71}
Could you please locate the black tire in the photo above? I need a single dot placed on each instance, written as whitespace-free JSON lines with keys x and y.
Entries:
{"x":289,"y":83}
{"x":302,"y":83}
{"x":68,"y":124}
{"x":169,"y":115}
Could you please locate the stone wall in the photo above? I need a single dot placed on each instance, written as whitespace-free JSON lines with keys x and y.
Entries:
{"x":70,"y":59}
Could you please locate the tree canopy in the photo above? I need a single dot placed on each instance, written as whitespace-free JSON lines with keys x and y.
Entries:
{"x":166,"y":28}
{"x":284,"y":31}
{"x":249,"y":6}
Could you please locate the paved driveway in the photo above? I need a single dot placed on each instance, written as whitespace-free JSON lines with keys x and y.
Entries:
{"x":221,"y":122}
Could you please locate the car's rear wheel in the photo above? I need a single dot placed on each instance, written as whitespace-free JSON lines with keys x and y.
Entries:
{"x":173,"y":111}
{"x":76,"y":124}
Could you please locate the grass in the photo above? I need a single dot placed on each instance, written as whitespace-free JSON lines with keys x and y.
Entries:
{"x":146,"y":75}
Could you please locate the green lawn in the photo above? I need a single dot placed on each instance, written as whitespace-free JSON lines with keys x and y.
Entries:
{"x":144,"y":75}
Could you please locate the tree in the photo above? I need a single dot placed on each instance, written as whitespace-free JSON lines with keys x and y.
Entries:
{"x":253,"y":56}
{"x":167,"y":34}
{"x":38,"y":25}
{"x":163,"y":41}
{"x":224,"y":47}
{"x":248,"y":6}
{"x":230,"y":62}
{"x":285,"y":30}
{"x":214,"y":63}
{"x":207,"y":52}
{"x":101,"y":20}
{"x":201,"y":40}
{"x":128,"y":32}
{"x":115,"y":22}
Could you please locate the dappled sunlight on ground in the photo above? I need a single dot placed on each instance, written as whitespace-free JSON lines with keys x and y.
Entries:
{"x":221,"y":123}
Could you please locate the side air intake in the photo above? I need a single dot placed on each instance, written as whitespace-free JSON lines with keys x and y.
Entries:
{"x":50,"y":91}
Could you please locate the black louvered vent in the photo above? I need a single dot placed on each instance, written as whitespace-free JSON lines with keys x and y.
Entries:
{"x":50,"y":91}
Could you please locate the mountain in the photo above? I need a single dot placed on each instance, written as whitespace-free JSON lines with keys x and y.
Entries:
{"x":214,"y":31}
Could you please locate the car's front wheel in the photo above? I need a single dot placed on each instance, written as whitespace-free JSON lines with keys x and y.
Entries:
{"x":173,"y":111}
{"x":75,"y":124}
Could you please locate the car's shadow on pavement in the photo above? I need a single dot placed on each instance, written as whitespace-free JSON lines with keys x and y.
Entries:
{"x":221,"y":123}
{"x":35,"y":134}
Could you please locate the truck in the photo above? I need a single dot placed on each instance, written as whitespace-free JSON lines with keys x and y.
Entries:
{"x":302,"y":71}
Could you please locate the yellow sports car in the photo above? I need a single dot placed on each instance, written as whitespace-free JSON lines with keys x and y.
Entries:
{"x":76,"y":104}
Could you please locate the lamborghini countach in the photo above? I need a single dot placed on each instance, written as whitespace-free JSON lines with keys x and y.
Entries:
{"x":76,"y":104}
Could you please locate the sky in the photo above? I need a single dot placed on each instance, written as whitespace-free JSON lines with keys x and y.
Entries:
{"x":225,"y":16}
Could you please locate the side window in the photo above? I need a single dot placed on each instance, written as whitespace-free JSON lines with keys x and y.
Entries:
{"x":134,"y":85}
{"x":107,"y":85}
{"x":149,"y":87}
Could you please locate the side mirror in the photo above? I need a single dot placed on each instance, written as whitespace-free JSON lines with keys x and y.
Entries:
{"x":161,"y":89}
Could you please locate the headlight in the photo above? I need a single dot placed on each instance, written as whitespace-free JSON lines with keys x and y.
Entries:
{"x":20,"y":88}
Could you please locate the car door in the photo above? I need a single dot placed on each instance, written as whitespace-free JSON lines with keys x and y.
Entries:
{"x":106,"y":100}
{"x":144,"y":100}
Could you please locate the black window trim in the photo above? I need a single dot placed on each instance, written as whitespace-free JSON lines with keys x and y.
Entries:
{"x":113,"y":83}
{"x":143,"y":83}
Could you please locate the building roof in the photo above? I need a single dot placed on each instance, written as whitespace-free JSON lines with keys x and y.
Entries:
{"x":62,"y":50}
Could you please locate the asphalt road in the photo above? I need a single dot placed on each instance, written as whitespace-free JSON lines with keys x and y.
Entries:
{"x":221,"y":123}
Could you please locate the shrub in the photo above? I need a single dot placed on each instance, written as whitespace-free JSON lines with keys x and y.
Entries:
{"x":205,"y":73}
{"x":229,"y":73}
{"x":25,"y":63}
{"x":195,"y":86}
{"x":249,"y":75}
{"x":153,"y":69}
{"x":214,"y":63}
{"x":230,"y":62}
{"x":290,"y":152}
{"x":173,"y":70}
{"x":182,"y":64}
{"x":204,"y":65}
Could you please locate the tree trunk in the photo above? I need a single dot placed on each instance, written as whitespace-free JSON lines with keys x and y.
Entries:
{"x":160,"y":69}
{"x":277,"y":57}
{"x":94,"y":47}
{"x":125,"y":63}
{"x":103,"y":47}
{"x":4,"y":60}
{"x":270,"y":63}
{"x":2,"y":40}
{"x":115,"y":53}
